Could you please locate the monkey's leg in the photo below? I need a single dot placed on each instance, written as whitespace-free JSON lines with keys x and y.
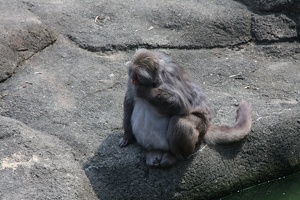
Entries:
{"x":183,"y":135}
{"x":128,"y":109}
{"x":158,"y":158}
{"x":168,"y":159}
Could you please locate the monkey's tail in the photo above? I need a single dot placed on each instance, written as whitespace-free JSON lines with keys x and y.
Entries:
{"x":227,"y":134}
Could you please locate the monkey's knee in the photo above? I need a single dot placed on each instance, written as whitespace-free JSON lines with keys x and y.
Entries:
{"x":183,"y":138}
{"x":168,"y":160}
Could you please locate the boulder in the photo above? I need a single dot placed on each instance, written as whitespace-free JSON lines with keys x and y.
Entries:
{"x":270,"y":28}
{"x":61,"y":111}
{"x":35,"y":165}
{"x":274,"y":5}
{"x":22,"y":34}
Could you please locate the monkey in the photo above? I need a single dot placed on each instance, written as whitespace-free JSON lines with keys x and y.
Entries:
{"x":168,"y":114}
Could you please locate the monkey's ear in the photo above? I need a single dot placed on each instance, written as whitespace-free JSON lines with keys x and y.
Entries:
{"x":128,"y":64}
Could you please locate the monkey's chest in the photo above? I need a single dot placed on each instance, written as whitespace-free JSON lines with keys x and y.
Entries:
{"x":149,"y":127}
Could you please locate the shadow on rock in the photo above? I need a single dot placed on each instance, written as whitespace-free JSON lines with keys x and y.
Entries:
{"x":121,"y":173}
{"x":229,"y":151}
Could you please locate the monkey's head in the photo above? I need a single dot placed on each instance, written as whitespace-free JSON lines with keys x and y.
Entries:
{"x":143,"y":69}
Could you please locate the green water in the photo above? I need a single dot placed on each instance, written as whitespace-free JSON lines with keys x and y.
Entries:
{"x":286,"y":188}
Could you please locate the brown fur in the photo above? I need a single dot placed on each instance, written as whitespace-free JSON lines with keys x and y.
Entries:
{"x":167,"y":113}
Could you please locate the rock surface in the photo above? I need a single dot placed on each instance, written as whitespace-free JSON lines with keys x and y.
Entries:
{"x":274,"y":5}
{"x":22,"y":35}
{"x":61,"y":108}
{"x":35,"y":165}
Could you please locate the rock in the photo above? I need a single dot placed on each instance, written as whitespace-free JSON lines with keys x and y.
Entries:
{"x":34,"y":165}
{"x":266,"y":153}
{"x":269,"y":28}
{"x":8,"y":63}
{"x":61,"y":111}
{"x":282,"y":23}
{"x":174,"y":25}
{"x":274,"y":5}
{"x":22,"y":34}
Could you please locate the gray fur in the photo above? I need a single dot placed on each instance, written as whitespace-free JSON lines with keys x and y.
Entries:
{"x":149,"y":127}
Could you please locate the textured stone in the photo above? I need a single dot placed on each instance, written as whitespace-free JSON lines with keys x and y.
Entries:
{"x":61,"y":111}
{"x":22,"y":34}
{"x":273,"y":28}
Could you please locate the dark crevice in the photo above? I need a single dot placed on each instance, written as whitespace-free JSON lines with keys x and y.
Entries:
{"x":126,"y":47}
{"x":26,"y":58}
{"x":280,"y":40}
{"x":30,"y":39}
{"x":35,"y":51}
{"x":262,"y":7}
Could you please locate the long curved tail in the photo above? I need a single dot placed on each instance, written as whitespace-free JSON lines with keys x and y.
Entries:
{"x":227,"y":134}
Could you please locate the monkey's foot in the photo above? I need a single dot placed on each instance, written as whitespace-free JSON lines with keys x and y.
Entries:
{"x":157,"y":158}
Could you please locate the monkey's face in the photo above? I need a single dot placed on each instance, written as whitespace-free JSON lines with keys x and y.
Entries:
{"x":143,"y":69}
{"x":141,"y":75}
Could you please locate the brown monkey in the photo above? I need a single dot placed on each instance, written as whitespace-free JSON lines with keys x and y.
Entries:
{"x":167,"y":113}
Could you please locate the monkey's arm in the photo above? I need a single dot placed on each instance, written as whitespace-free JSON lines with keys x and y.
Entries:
{"x":168,"y":101}
{"x":128,"y":108}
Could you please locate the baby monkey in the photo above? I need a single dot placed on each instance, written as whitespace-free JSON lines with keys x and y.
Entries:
{"x":168,"y":114}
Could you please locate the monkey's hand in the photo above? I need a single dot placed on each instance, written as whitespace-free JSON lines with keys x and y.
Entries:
{"x":124,"y":142}
{"x":143,"y":91}
{"x":166,"y":100}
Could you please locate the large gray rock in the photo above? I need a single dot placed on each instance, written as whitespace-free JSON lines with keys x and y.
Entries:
{"x":109,"y":25}
{"x":70,"y":98}
{"x":165,"y":24}
{"x":274,"y":5}
{"x":22,"y":34}
{"x":275,"y":19}
{"x":270,"y":28}
{"x":80,"y":101}
{"x":34,"y":165}
{"x":268,"y":152}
